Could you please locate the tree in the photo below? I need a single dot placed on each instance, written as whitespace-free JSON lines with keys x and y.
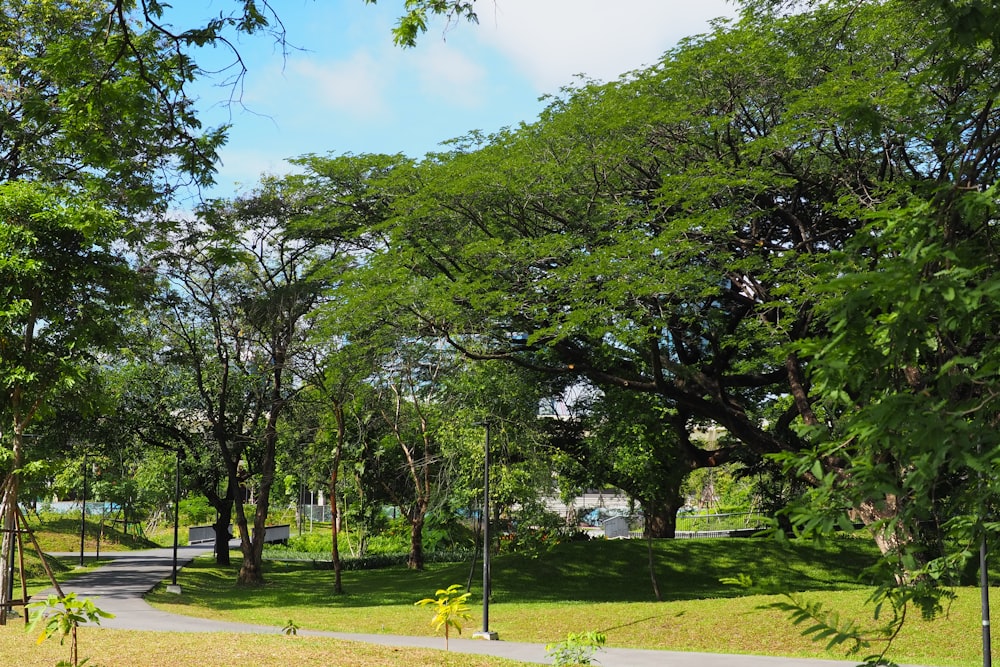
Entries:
{"x":337,"y":386}
{"x":669,"y":234}
{"x":242,"y":286}
{"x":64,"y":292}
{"x":620,"y":438}
{"x":402,"y":455}
{"x":903,"y":357}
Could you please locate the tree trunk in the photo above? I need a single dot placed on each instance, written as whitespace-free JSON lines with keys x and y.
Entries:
{"x":338,"y":586}
{"x":652,"y":568}
{"x":251,"y":572}
{"x":223,"y":521}
{"x":661,"y":517}
{"x":8,"y":499}
{"x":660,"y":524}
{"x":892,"y":542}
{"x":8,"y":503}
{"x":252,"y":545}
{"x":415,"y":561}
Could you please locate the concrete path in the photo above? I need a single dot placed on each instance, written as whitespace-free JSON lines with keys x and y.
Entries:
{"x":119,"y":586}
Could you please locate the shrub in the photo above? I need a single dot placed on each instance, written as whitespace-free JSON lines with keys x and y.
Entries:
{"x":196,"y":511}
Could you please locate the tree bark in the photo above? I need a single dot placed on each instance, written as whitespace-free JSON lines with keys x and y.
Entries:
{"x":252,"y":545}
{"x":874,"y":516}
{"x":661,"y":518}
{"x":251,"y":573}
{"x":338,"y":585}
{"x":660,"y":511}
{"x":223,"y":521}
{"x":8,"y":502}
{"x":415,"y":561}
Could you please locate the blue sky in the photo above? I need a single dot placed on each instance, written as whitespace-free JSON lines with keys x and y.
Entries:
{"x":344,"y":87}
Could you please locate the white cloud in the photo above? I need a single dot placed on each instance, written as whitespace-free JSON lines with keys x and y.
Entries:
{"x":551,"y":41}
{"x":357,"y":86}
{"x":448,"y":74}
{"x":241,"y":168}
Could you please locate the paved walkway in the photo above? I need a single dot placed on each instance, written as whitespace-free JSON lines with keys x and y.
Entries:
{"x":119,"y":586}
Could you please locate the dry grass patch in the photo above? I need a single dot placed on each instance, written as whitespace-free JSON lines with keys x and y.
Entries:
{"x":122,"y":648}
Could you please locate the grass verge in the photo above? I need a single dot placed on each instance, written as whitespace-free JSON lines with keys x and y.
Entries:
{"x":120,"y":648}
{"x":601,"y":586}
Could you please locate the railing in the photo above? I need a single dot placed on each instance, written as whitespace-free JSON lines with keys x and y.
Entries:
{"x":199,"y":534}
{"x":708,"y":524}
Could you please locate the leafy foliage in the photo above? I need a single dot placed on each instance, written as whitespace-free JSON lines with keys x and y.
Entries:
{"x":62,"y":616}
{"x":413,"y":23}
{"x":450,"y":609}
{"x":577,"y":649}
{"x":826,"y":626}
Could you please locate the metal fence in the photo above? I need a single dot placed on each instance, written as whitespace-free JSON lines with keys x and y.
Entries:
{"x":722,"y":524}
{"x":315,"y":513}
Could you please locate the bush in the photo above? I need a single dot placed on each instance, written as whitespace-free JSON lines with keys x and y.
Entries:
{"x":378,"y":561}
{"x":196,"y":511}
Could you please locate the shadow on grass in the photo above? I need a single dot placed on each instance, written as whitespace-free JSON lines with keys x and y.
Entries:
{"x":598,"y":571}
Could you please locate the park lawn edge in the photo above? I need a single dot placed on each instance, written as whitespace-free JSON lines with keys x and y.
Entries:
{"x":734,"y":625}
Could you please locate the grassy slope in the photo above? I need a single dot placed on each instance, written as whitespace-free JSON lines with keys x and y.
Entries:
{"x":57,"y":533}
{"x":600,"y":586}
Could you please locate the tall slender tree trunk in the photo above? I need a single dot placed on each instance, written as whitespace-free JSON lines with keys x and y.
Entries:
{"x":652,"y":568}
{"x":8,"y":509}
{"x":252,"y":570}
{"x":8,"y":503}
{"x":338,"y":586}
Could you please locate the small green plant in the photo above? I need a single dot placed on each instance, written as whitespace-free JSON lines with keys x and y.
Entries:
{"x":577,"y":648}
{"x":62,"y":616}
{"x":449,"y":609}
{"x":291,"y":628}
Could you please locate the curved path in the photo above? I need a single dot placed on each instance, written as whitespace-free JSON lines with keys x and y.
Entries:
{"x":119,"y":587}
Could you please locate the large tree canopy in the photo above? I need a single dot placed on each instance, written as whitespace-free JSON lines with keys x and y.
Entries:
{"x":673,"y":233}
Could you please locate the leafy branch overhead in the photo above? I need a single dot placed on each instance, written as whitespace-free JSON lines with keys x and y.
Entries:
{"x":823,"y":625}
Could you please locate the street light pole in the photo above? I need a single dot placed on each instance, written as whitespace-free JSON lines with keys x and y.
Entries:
{"x":83,"y":510}
{"x":487,"y":583}
{"x":984,"y":586}
{"x":173,"y":587}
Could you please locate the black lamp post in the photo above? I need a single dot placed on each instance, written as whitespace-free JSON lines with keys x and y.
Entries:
{"x":487,"y":584}
{"x":984,"y":585}
{"x":173,"y":587}
{"x":83,"y":510}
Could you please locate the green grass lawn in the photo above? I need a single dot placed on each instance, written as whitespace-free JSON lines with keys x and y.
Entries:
{"x":579,"y":586}
{"x":599,"y":586}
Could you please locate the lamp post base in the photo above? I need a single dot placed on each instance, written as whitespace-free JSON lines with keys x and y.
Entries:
{"x":486,"y":634}
{"x":174,"y":588}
